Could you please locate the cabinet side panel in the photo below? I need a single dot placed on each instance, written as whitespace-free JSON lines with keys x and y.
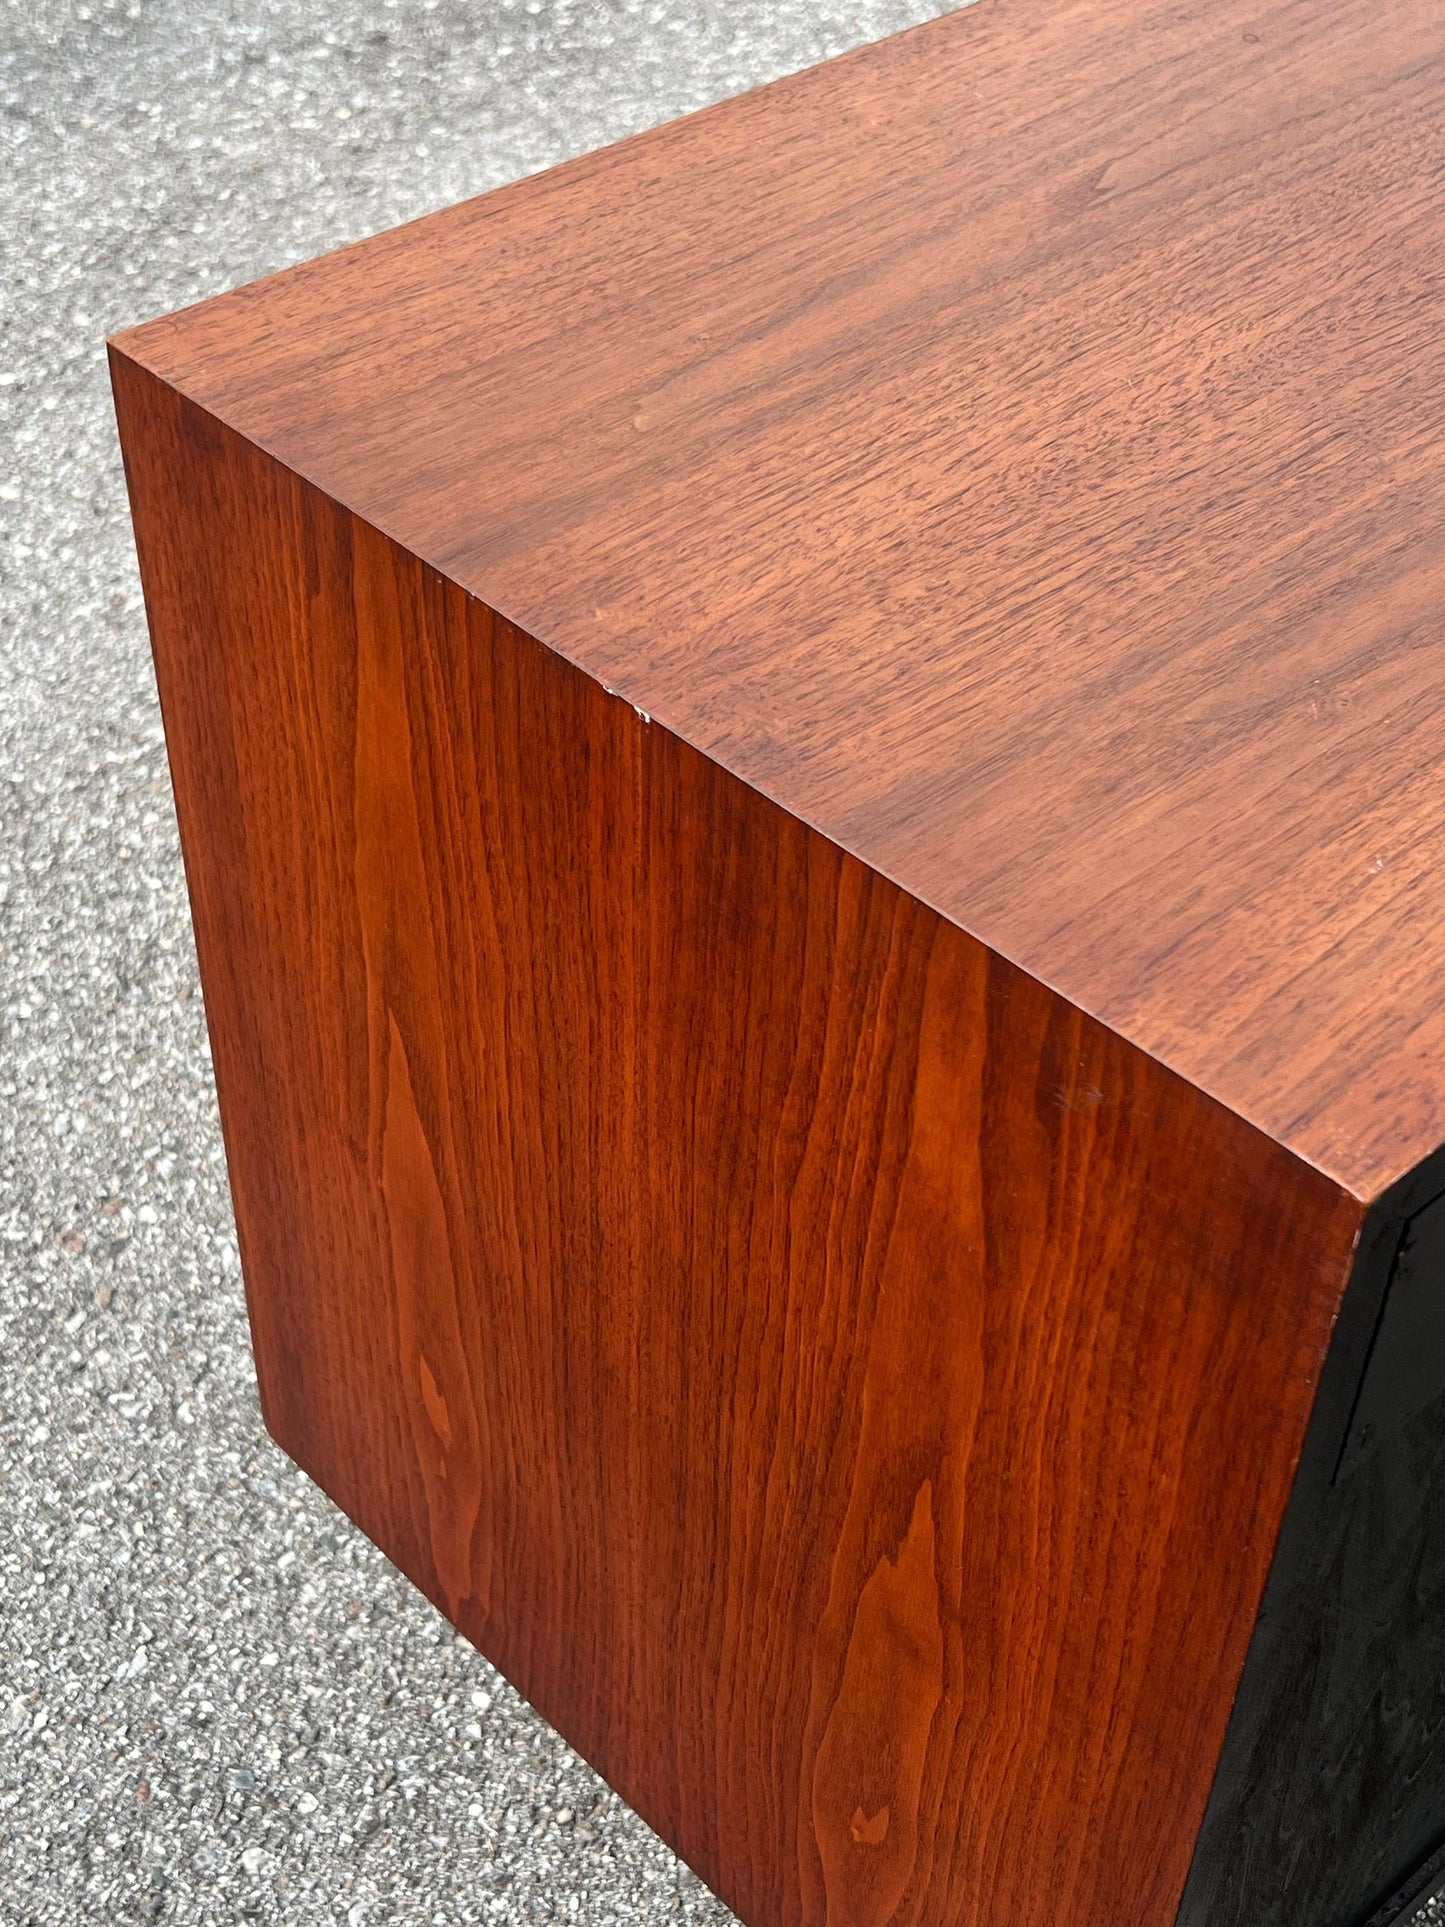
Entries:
{"x":852,"y":1395}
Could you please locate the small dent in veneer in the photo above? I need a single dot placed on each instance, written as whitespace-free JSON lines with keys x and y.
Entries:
{"x":637,"y":708}
{"x":1087,"y":1098}
{"x":869,"y":1830}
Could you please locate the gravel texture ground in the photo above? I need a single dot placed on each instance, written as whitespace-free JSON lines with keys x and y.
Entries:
{"x":219,"y":1702}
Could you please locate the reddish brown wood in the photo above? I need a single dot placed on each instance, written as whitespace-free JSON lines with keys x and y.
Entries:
{"x":1015,"y":448}
{"x":850,"y":1392}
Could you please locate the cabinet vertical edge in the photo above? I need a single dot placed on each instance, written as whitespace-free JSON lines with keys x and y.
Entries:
{"x":161,"y":471}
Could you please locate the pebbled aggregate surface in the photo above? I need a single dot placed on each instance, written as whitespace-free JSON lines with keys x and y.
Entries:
{"x":217,"y":1702}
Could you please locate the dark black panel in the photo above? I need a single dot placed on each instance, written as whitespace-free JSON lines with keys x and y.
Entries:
{"x":1328,"y":1807}
{"x":1406,"y":1367}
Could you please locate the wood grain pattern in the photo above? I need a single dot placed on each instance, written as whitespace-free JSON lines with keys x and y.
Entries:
{"x":1015,"y":449}
{"x":852,"y":1393}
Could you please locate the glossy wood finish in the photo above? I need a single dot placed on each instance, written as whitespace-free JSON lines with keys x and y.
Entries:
{"x":1014,"y":448}
{"x":851,"y":1392}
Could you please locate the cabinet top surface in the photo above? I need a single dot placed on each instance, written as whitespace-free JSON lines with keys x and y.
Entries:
{"x":1018,"y":448}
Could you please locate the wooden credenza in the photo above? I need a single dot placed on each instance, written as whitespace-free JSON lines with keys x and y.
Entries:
{"x":811,"y":757}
